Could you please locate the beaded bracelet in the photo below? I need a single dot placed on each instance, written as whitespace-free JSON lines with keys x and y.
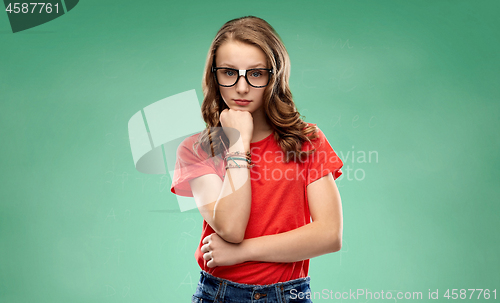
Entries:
{"x":247,"y":160}
{"x":239,"y":158}
{"x":237,"y":155}
{"x":233,"y":161}
{"x":229,"y":165}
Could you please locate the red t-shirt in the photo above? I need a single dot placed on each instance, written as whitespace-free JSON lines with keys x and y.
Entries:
{"x":279,"y":200}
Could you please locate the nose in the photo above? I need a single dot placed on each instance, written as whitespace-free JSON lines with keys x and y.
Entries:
{"x":242,"y":86}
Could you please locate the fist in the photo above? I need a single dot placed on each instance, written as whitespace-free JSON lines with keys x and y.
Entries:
{"x":240,"y":120}
{"x":217,"y":252}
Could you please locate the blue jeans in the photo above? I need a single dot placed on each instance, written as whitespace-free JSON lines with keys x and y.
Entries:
{"x":211,"y":289}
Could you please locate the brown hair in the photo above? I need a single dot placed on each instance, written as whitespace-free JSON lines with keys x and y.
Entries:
{"x":290,"y":131}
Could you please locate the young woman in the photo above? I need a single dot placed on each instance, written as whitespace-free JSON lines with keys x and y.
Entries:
{"x":258,"y":174}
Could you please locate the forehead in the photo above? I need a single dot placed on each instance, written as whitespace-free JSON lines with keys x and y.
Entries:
{"x":240,"y":55}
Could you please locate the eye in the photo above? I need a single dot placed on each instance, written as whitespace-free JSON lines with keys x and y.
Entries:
{"x":256,"y":74}
{"x":229,"y":72}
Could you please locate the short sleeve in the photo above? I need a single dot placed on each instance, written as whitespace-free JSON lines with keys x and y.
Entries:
{"x":323,"y":160}
{"x":190,"y":165}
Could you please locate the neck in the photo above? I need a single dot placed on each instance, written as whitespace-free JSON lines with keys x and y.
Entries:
{"x":260,"y":124}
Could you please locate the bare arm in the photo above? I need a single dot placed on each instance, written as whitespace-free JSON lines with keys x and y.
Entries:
{"x":225,"y":205}
{"x":322,"y":236}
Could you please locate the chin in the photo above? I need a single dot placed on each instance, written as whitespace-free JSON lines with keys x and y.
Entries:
{"x":239,"y":107}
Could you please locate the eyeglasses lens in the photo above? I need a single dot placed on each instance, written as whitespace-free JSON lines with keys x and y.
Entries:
{"x":256,"y":77}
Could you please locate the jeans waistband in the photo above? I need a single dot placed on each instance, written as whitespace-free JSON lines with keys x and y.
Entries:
{"x":216,"y":289}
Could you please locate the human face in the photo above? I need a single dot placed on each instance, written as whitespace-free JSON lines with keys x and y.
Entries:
{"x":238,"y":55}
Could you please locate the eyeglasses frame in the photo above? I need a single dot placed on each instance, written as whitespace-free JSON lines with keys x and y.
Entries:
{"x":241,"y":72}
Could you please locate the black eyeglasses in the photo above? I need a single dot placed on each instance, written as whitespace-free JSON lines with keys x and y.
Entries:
{"x":256,"y":77}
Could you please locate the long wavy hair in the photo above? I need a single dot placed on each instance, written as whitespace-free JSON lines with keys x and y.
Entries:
{"x":290,"y":131}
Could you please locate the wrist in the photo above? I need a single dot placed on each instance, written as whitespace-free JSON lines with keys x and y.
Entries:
{"x":239,"y":145}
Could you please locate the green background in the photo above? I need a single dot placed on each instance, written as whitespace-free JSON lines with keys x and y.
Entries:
{"x":417,"y":82}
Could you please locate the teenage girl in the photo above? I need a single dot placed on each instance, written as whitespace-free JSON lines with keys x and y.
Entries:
{"x":258,"y":174}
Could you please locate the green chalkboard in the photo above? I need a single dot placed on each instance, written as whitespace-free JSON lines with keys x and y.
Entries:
{"x":412,"y":85}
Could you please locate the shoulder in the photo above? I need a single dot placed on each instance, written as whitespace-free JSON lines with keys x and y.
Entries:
{"x":315,"y":135}
{"x":190,"y":140}
{"x":189,"y":147}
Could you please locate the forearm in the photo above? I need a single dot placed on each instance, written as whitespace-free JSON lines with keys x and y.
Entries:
{"x":232,"y":210}
{"x":303,"y":243}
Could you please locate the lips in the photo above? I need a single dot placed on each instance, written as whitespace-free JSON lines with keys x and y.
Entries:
{"x":242,"y":101}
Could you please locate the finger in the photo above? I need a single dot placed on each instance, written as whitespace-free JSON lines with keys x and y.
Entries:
{"x":211,"y":264}
{"x":206,"y":239}
{"x":207,"y":256}
{"x":205,"y":248}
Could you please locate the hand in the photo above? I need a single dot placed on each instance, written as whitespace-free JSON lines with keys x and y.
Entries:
{"x":218,"y":252}
{"x":240,"y":120}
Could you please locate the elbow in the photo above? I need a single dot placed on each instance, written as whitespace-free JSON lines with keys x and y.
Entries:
{"x":337,"y":245}
{"x":335,"y":242}
{"x":233,"y":232}
{"x":233,"y":235}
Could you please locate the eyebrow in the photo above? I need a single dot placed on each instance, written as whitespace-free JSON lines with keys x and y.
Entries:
{"x":258,"y":65}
